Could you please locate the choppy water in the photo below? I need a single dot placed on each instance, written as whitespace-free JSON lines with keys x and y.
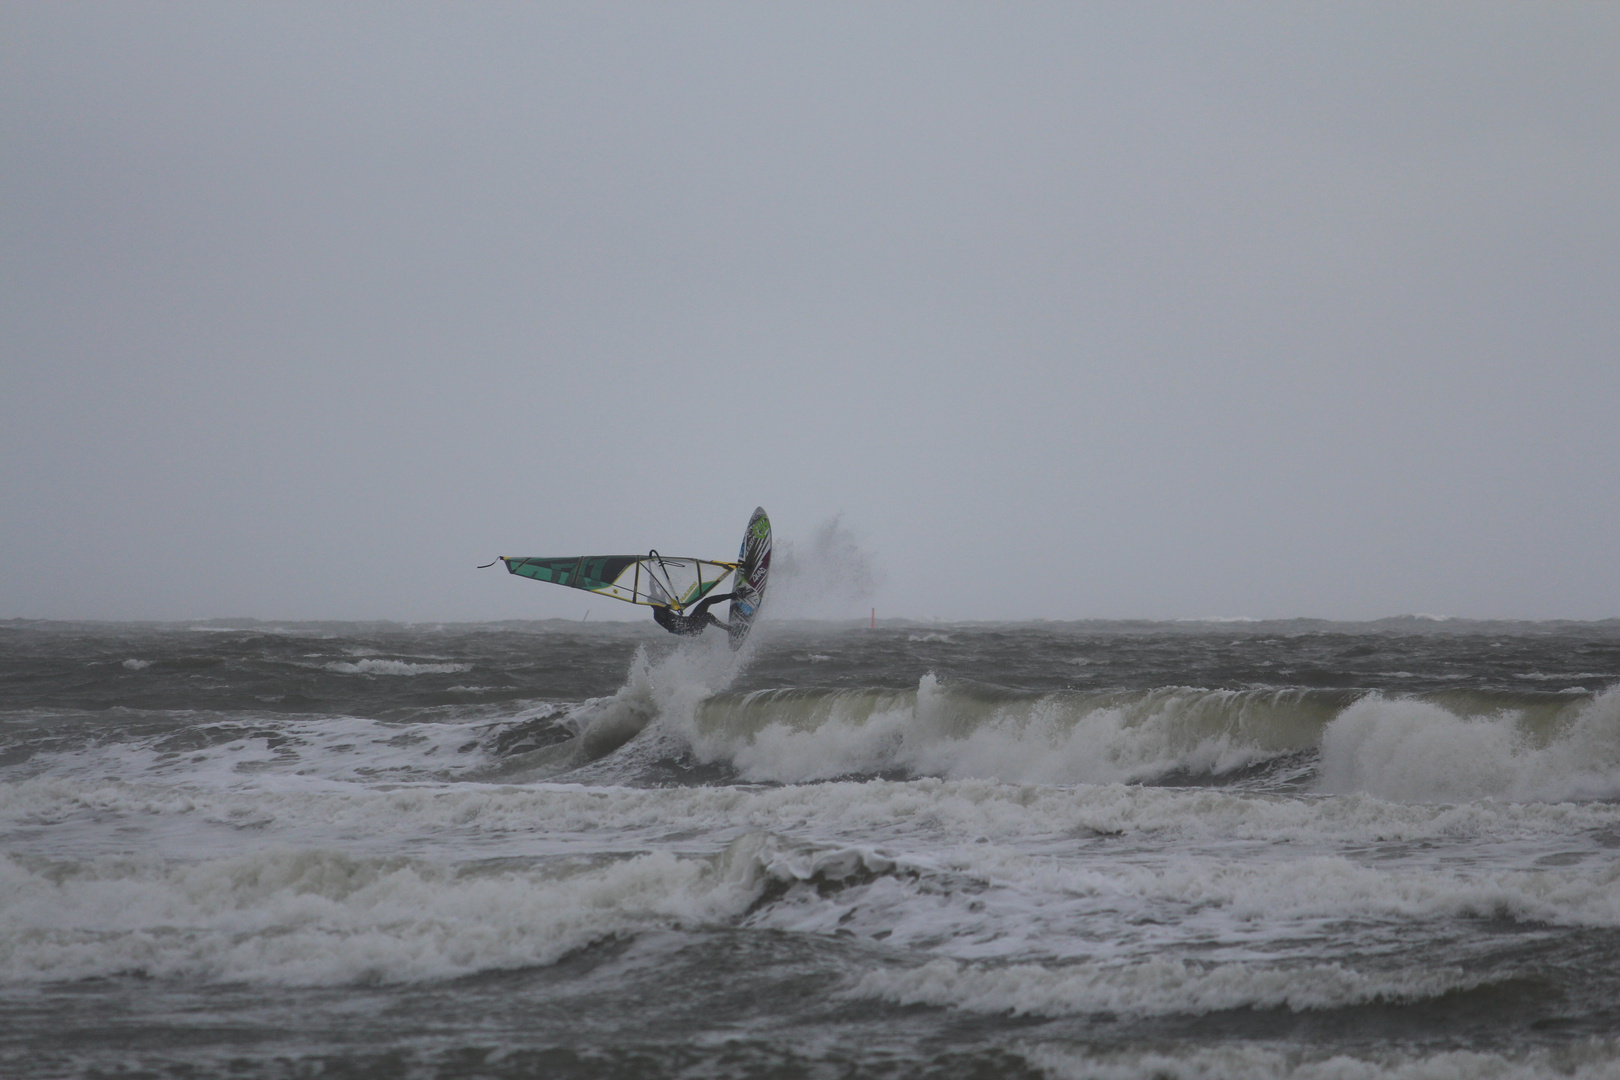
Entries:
{"x":1071,"y":850}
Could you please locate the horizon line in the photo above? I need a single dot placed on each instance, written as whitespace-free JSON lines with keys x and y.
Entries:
{"x":1210,"y":621}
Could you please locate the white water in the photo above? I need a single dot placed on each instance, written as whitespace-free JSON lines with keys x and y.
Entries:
{"x":259,"y":881}
{"x":1401,"y":749}
{"x":1594,"y":1060}
{"x":1417,"y":752}
{"x":1016,"y":868}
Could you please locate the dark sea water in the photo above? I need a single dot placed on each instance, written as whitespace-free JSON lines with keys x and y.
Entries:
{"x":1190,"y":850}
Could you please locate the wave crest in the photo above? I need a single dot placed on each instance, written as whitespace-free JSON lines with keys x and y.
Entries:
{"x":1067,"y":737}
{"x":1443,"y":746}
{"x":320,"y":917}
{"x":1416,"y":751}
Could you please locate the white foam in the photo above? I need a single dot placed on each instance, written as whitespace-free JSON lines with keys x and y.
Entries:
{"x":1594,"y":1059}
{"x":393,"y":667}
{"x":1543,"y":677}
{"x":1418,"y":752}
{"x":301,"y":879}
{"x":136,"y":665}
{"x":920,"y":813}
{"x":328,"y":747}
{"x":668,"y":687}
{"x":1148,"y":988}
{"x":316,"y":917}
{"x":1334,"y":886}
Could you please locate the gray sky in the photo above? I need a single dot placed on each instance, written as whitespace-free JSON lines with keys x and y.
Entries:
{"x":1070,"y":311}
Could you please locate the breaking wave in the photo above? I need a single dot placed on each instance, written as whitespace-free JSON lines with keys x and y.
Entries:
{"x":320,"y":917}
{"x":1416,"y":750}
{"x":1062,"y":738}
{"x":674,"y":719}
{"x":1436,"y":747}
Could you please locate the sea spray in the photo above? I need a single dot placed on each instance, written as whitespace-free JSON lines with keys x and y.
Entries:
{"x":667,"y":687}
{"x":827,"y":575}
{"x":1417,"y":751}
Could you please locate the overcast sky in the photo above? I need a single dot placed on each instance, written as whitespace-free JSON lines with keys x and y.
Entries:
{"x":1069,"y":311}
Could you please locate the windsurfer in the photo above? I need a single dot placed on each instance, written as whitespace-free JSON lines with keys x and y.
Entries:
{"x":693,"y":624}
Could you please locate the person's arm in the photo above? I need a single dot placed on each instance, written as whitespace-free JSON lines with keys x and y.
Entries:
{"x":708,"y":601}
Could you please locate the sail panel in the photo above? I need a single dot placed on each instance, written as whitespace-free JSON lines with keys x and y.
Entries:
{"x":653,"y":580}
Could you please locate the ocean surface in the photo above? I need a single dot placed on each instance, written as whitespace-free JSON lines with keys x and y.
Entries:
{"x":1184,"y":850}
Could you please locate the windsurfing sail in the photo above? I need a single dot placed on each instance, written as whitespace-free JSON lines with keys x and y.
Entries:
{"x":653,"y":580}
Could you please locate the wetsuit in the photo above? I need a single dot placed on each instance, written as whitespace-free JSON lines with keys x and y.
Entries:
{"x":693,"y":624}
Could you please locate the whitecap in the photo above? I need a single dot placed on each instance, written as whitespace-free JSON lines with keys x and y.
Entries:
{"x":394,"y":667}
{"x":1416,"y":751}
{"x":1151,"y":987}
